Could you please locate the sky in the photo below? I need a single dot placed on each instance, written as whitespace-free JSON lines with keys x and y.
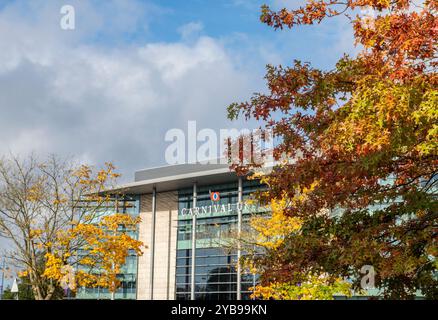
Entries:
{"x":110,"y":89}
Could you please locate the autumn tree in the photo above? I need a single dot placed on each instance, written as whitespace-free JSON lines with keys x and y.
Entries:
{"x":264,"y":234}
{"x":48,"y":210}
{"x":361,"y":149}
{"x":104,"y":247}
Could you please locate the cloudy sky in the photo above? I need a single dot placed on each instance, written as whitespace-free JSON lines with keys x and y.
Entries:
{"x":133,"y":69}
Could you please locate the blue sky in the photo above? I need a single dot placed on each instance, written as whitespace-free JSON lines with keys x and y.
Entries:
{"x":231,"y":21}
{"x":131,"y":70}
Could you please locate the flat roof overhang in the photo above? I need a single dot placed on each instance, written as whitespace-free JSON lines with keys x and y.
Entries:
{"x":178,"y":181}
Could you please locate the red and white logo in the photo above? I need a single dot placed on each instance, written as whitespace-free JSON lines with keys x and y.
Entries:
{"x":214,"y":196}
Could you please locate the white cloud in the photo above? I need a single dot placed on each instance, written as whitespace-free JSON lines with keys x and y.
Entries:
{"x":85,"y":93}
{"x":190,"y":29}
{"x":61,"y":93}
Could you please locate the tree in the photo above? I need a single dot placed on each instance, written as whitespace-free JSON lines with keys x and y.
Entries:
{"x":264,"y":235}
{"x":25,"y":291}
{"x":104,"y":248}
{"x":45,"y":208}
{"x":362,"y":144}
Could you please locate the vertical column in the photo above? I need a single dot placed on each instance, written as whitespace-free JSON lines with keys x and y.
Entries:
{"x":239,"y":230}
{"x":169,"y":238}
{"x":154,"y":214}
{"x":113,"y":293}
{"x":192,"y":284}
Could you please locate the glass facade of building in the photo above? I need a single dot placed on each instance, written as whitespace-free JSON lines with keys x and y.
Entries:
{"x":215,"y":263}
{"x":128,"y":276}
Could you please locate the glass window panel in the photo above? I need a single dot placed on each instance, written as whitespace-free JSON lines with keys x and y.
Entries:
{"x":215,"y":272}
